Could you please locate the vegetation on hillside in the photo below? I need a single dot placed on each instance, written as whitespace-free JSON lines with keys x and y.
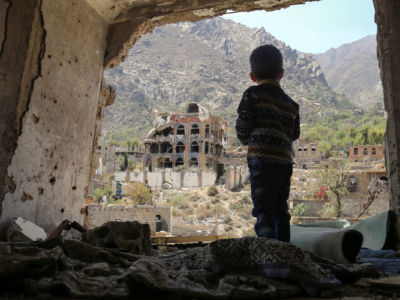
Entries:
{"x":342,"y":130}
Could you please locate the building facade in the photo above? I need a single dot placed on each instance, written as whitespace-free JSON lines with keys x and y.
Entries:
{"x":192,"y":140}
{"x":306,"y":155}
{"x":366,"y":153}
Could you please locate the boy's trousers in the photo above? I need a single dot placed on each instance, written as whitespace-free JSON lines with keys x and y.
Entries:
{"x":270,"y":186}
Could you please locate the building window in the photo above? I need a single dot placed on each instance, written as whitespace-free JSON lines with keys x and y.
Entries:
{"x":167,"y":131}
{"x":313,"y":149}
{"x":160,"y":164}
{"x":194,"y":162}
{"x":166,"y":148}
{"x":300,"y":149}
{"x":158,"y":223}
{"x":305,"y":150}
{"x":352,"y":184}
{"x":180,"y":147}
{"x":154,"y":148}
{"x":195,"y":129}
{"x":373,"y":151}
{"x":365,"y":151}
{"x":211,"y":148}
{"x":355,"y":151}
{"x":180,"y":130}
{"x":206,"y":148}
{"x":194,"y":147}
{"x":149,"y":166}
{"x":179,"y":162}
{"x":167,"y":163}
{"x":218,"y":150}
{"x":192,"y":108}
{"x":207,"y":131}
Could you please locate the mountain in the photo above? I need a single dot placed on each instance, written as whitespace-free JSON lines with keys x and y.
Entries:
{"x":207,"y":62}
{"x":352,"y":69}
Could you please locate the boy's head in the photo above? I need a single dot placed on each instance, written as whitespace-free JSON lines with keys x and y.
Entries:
{"x":266,"y":63}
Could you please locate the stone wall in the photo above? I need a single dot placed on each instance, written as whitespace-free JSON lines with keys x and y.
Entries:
{"x":235,"y":176}
{"x":175,"y":179}
{"x":154,"y":179}
{"x":351,"y":206}
{"x":387,"y":16}
{"x":99,"y":214}
{"x":190,"y":179}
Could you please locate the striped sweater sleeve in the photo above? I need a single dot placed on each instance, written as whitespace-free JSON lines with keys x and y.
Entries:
{"x":245,"y":120}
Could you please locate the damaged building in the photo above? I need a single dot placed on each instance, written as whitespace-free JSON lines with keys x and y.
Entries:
{"x":52,"y":57}
{"x":192,"y":140}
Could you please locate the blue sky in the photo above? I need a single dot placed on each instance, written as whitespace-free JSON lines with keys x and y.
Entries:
{"x":315,"y":27}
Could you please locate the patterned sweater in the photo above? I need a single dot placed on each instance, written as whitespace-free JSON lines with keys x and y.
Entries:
{"x":268,"y":123}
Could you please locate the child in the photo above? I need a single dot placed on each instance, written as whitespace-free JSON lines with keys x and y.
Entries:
{"x":268,"y":123}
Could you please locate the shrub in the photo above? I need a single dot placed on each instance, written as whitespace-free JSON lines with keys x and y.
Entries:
{"x":212,"y":191}
{"x":228,"y":220}
{"x":300,"y":209}
{"x":330,"y":210}
{"x":139,"y":193}
{"x":177,"y":199}
{"x":179,"y":168}
{"x":243,"y":206}
{"x":214,"y":200}
{"x":100,"y":192}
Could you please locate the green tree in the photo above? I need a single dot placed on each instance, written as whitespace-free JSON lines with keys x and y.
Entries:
{"x":113,"y":142}
{"x":132,"y":143}
{"x":333,"y":180}
{"x":100,"y":192}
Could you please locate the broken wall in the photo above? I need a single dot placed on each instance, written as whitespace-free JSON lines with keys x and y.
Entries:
{"x":98,"y":214}
{"x":208,"y":178}
{"x":235,"y":176}
{"x":387,"y":16}
{"x":58,"y":100}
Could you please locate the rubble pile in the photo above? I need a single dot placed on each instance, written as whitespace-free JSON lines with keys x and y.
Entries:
{"x":116,"y":261}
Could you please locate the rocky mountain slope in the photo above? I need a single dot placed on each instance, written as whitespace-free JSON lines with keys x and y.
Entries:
{"x":207,"y":62}
{"x":353,"y":70}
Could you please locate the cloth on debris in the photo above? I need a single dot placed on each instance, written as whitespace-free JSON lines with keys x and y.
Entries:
{"x":340,"y":246}
{"x":341,"y":242}
{"x":386,"y":262}
{"x":234,"y":268}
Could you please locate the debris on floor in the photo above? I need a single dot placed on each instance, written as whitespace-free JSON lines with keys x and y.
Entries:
{"x":21,"y":230}
{"x":117,"y":260}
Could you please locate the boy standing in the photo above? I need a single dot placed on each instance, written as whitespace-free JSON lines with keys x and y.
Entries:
{"x":268,"y":123}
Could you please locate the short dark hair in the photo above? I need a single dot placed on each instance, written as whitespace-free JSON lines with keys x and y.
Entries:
{"x":266,"y":62}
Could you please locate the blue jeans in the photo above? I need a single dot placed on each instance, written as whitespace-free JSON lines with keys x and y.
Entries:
{"x":270,"y":186}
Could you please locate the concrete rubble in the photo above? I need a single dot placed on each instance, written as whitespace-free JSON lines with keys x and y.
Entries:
{"x":21,"y":230}
{"x":116,"y":260}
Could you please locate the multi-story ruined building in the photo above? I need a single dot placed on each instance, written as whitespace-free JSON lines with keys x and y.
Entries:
{"x":194,"y":139}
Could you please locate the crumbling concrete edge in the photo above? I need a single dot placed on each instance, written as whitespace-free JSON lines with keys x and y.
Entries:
{"x":38,"y":72}
{"x":152,"y":18}
{"x":3,"y":42}
{"x":32,"y":72}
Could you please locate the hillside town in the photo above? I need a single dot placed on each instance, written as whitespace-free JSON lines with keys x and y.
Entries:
{"x":185,"y":154}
